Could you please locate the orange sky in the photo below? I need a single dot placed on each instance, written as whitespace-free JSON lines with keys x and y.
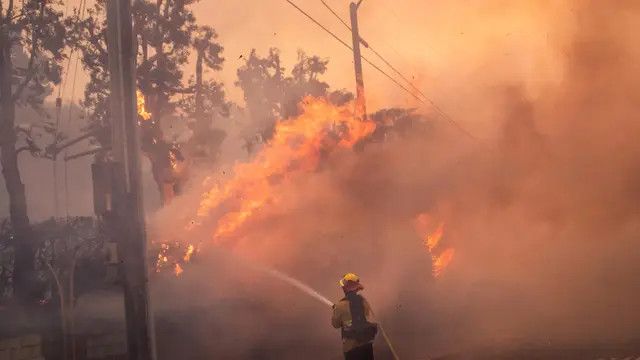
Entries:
{"x":443,"y":46}
{"x":440,"y":44}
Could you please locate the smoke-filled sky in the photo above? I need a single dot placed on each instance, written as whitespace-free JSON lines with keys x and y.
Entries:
{"x":439,"y":45}
{"x":543,"y":215}
{"x":543,"y":212}
{"x":457,"y":52}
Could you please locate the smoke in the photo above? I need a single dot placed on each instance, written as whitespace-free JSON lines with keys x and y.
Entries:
{"x":544,"y":214}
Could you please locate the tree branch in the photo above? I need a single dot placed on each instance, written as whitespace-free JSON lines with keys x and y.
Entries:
{"x":95,"y":40}
{"x":17,"y":16}
{"x":30,"y":73}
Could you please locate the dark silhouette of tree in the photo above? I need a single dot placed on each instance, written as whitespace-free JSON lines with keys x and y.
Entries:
{"x":208,"y":99}
{"x":270,"y":94}
{"x":262,"y":81}
{"x":167,"y":35}
{"x":32,"y":37}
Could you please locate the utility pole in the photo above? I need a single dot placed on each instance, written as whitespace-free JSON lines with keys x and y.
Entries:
{"x":127,"y":214}
{"x":361,"y":108}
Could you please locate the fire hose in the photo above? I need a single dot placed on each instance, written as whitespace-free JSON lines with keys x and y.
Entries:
{"x":316,"y":295}
{"x":311,"y":292}
{"x":386,"y":339}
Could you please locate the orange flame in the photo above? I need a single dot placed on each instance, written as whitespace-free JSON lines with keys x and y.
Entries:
{"x":170,"y":256}
{"x":295,"y":148}
{"x":173,"y":160}
{"x":432,"y":240}
{"x":440,"y":259}
{"x":142,"y":112}
{"x":178,"y":270}
{"x":189,"y":253}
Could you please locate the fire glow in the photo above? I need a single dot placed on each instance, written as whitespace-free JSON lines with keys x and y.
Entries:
{"x":140,"y":104}
{"x":441,"y":256}
{"x":295,"y":148}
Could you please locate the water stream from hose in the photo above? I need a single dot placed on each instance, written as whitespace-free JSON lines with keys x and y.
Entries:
{"x":295,"y":283}
{"x":316,"y":295}
{"x":311,"y":292}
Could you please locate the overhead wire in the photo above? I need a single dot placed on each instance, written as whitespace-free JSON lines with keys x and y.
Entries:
{"x":70,"y":106}
{"x":376,"y":67}
{"x":374,"y":51}
{"x":336,"y":14}
{"x":350,"y":48}
{"x":61,"y":91}
{"x":81,"y":13}
{"x":63,"y":83}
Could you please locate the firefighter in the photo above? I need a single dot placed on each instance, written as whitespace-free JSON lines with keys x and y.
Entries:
{"x":352,"y":314}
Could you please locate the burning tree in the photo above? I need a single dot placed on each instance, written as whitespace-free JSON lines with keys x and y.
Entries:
{"x":167,"y":35}
{"x":270,"y":94}
{"x":297,"y":148}
{"x":31,"y":42}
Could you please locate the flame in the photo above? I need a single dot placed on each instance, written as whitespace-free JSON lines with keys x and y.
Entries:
{"x":296,"y":147}
{"x":178,"y":270}
{"x":142,"y":112}
{"x":173,"y":160}
{"x":440,"y":258}
{"x":189,"y":253}
{"x":172,"y":256}
{"x":432,"y":240}
{"x":162,"y":259}
{"x":441,"y":261}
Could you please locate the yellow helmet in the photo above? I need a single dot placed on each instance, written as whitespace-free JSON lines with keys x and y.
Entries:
{"x":349,"y":277}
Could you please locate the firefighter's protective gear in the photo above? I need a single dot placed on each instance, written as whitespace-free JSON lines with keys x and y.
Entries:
{"x":352,"y":314}
{"x":350,"y":283}
{"x":349,"y":277}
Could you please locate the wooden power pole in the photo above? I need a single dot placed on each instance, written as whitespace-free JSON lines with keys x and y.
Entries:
{"x":361,"y":108}
{"x":127,"y":214}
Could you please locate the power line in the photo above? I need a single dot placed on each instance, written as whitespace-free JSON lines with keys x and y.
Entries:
{"x":61,"y":90}
{"x":365,"y":43}
{"x":396,"y":82}
{"x":63,"y":83}
{"x":336,"y":15}
{"x":392,"y":79}
{"x":320,"y":25}
{"x":397,"y":71}
{"x":368,"y":46}
{"x":350,"y":48}
{"x":431,"y":102}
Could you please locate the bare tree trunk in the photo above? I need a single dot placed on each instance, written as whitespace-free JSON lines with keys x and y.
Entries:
{"x":24,"y":252}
